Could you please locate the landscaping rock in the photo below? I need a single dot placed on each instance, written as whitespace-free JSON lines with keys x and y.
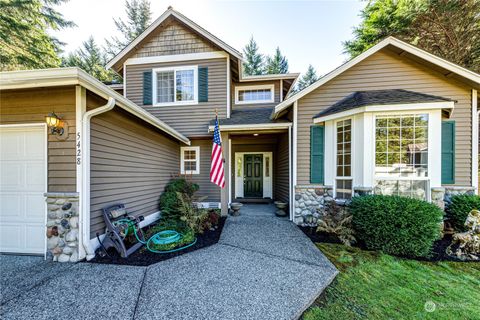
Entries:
{"x":52,"y":242}
{"x":63,"y":258}
{"x":466,"y":245}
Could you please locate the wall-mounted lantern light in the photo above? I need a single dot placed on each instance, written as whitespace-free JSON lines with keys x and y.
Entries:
{"x":54,"y":123}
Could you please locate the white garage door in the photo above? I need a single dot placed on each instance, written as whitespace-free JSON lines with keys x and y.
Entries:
{"x":22,"y":184}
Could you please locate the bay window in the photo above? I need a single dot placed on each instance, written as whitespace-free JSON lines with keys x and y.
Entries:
{"x":176,"y":85}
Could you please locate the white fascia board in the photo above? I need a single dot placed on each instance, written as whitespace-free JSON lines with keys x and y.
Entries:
{"x":177,"y":57}
{"x":248,"y":127}
{"x":388,"y":41}
{"x":387,"y":108}
{"x":266,"y":77}
{"x":185,"y":20}
{"x":75,"y":76}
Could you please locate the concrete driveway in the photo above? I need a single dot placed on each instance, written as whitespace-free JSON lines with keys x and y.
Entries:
{"x":262,"y":268}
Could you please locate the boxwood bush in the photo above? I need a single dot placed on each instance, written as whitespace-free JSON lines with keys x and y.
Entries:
{"x":459,"y":208}
{"x":396,"y":225}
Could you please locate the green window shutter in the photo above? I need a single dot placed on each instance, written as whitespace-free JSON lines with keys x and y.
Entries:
{"x":147,"y":88}
{"x":317,"y":154}
{"x":203,"y":84}
{"x":448,"y":152}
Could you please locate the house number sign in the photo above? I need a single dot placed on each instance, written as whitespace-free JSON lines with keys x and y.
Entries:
{"x":79,"y":150}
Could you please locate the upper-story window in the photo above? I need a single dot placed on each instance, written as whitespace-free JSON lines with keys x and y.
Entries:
{"x":175,"y":85}
{"x":254,"y":94}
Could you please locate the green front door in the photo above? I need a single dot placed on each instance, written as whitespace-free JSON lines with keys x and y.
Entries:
{"x":253,"y":176}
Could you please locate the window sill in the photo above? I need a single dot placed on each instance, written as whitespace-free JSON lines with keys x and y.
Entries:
{"x":172,"y":104}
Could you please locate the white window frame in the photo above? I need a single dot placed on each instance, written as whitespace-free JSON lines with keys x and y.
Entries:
{"x":352,"y":160}
{"x":182,"y":160}
{"x":258,"y":87}
{"x":155,"y":71}
{"x":433,"y":134}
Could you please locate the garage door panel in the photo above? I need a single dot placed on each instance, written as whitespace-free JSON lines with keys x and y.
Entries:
{"x":12,"y":175}
{"x":11,"y":237}
{"x":11,"y":145}
{"x":22,"y":187}
{"x":35,"y":237}
{"x":12,"y":207}
{"x":35,"y":176}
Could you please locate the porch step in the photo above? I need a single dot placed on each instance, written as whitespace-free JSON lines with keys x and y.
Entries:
{"x":254,"y":200}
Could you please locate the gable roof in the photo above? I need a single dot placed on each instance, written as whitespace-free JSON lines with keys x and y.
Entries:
{"x":379,"y":97}
{"x":390,"y":41}
{"x":172,"y":13}
{"x":75,"y":76}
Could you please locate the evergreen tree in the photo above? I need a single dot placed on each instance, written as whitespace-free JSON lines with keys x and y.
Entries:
{"x":254,"y":61}
{"x":138,"y":19}
{"x":307,"y":79}
{"x":447,"y":28}
{"x":24,"y":40}
{"x":91,"y":59}
{"x":277,"y":64}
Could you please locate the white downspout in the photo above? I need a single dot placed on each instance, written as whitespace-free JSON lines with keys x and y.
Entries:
{"x":475,"y":114}
{"x":85,"y":200}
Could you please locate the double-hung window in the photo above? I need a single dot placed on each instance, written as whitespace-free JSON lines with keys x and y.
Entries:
{"x":401,"y":155}
{"x":176,"y":85}
{"x":343,"y":181}
{"x":190,"y":160}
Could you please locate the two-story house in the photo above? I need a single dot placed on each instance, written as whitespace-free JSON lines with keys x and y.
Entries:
{"x":394,"y":120}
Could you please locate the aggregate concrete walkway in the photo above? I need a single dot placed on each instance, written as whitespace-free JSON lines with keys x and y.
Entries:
{"x":262,"y":268}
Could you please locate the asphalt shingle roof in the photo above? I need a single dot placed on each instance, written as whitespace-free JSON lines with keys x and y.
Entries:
{"x":248,"y":116}
{"x":377,"y":97}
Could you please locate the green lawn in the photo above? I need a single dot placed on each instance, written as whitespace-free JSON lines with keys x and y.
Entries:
{"x":377,"y":286}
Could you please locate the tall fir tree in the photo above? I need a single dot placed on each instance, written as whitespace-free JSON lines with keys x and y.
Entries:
{"x":254,"y":61}
{"x":92,"y":59}
{"x":24,"y":39}
{"x":139,"y":16}
{"x":307,"y":79}
{"x":447,"y":28}
{"x":276,"y":64}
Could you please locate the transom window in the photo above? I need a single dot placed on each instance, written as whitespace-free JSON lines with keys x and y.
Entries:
{"x":175,"y":85}
{"x":401,"y":155}
{"x":254,"y":94}
{"x":190,"y":160}
{"x":344,"y":159}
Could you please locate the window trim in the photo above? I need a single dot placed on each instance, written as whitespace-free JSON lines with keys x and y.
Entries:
{"x":182,"y":160}
{"x":352,"y":156}
{"x":256,"y":87}
{"x":175,"y":69}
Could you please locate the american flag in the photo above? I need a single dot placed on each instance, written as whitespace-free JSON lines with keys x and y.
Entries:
{"x":217,"y":174}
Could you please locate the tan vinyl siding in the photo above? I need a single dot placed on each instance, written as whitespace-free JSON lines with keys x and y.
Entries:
{"x":386,"y":70}
{"x":131,"y":163}
{"x":31,"y":106}
{"x":190,"y":120}
{"x":282,"y":169}
{"x":207,"y":188}
{"x":276,"y":94}
{"x":172,"y":39}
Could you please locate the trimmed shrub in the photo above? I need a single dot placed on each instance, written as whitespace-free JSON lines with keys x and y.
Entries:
{"x":169,"y":203}
{"x":396,"y":225}
{"x":459,"y":208}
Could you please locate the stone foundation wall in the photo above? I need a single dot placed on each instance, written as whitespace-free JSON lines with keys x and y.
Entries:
{"x":308,"y":200}
{"x":62,"y":226}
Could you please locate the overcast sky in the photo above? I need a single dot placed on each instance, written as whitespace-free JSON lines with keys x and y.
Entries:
{"x":306,"y":31}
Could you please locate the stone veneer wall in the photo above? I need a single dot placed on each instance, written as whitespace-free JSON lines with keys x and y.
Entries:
{"x":62,"y":226}
{"x":308,"y":200}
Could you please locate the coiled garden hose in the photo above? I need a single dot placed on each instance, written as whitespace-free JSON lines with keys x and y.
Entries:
{"x":160,"y":238}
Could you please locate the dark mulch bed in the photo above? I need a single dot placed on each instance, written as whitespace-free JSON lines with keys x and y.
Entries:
{"x":143,"y":257}
{"x":438,"y":250}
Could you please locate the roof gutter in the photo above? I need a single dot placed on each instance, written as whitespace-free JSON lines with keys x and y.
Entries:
{"x":85,"y":195}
